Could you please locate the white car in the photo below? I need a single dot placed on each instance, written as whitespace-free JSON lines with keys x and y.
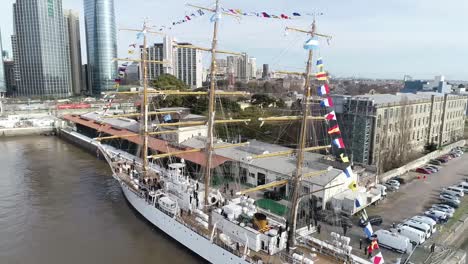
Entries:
{"x":436,"y":215}
{"x":448,"y":212}
{"x":394,"y":183}
{"x":447,"y":208}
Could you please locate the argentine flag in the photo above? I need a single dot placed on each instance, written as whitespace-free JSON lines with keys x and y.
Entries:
{"x":311,"y":44}
{"x":368,"y":230}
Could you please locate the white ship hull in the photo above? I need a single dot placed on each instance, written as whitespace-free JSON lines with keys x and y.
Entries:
{"x":184,"y":235}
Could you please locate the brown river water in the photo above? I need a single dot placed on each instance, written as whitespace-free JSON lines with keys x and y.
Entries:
{"x":59,"y":204}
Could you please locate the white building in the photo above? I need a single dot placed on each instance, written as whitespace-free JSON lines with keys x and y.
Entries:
{"x":262,"y":171}
{"x":184,"y":63}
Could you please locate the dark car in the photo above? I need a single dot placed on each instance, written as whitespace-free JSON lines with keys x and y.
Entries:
{"x":374,"y":220}
{"x":435,"y":162}
{"x":443,"y":160}
{"x":400,"y":180}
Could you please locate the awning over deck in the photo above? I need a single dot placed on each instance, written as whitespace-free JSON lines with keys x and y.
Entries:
{"x":155,"y":144}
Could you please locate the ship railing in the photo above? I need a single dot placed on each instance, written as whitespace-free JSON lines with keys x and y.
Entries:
{"x":215,"y":241}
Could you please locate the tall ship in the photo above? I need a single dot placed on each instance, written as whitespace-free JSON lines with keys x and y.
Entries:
{"x":220,"y":222}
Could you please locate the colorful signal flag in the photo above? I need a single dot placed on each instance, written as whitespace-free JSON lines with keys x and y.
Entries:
{"x":334,"y":130}
{"x":321,"y":76}
{"x":338,"y":142}
{"x":330,"y":116}
{"x":349,"y":172}
{"x":324,"y":89}
{"x":344,"y":158}
{"x":327,"y":102}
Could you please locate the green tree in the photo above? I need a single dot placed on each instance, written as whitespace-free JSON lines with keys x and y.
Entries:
{"x":168,"y":82}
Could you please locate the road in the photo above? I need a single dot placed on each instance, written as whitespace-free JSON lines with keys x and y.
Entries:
{"x":413,"y":198}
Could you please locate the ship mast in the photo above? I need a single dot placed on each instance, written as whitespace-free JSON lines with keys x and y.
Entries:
{"x":144,"y":106}
{"x":297,"y":178}
{"x":211,"y":106}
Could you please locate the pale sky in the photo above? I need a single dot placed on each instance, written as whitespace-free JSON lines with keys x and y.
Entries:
{"x":377,"y":39}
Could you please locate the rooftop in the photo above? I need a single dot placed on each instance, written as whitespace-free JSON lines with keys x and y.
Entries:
{"x":382,"y":99}
{"x":155,"y":144}
{"x":283,"y":165}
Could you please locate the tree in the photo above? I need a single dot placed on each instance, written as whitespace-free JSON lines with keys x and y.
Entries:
{"x":262,"y":100}
{"x":168,"y":82}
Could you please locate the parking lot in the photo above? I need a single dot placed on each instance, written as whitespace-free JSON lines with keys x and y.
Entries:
{"x":413,"y":198}
{"x":417,"y":195}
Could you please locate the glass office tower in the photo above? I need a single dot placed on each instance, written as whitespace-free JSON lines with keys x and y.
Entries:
{"x":3,"y":86}
{"x":101,"y":43}
{"x":41,"y":53}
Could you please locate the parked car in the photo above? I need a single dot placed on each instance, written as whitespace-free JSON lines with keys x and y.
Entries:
{"x":391,"y":188}
{"x":423,"y":171}
{"x":419,"y":226}
{"x":454,"y":154}
{"x":415,"y":236}
{"x":447,"y":157}
{"x":459,"y":191}
{"x":436,"y":168}
{"x":450,"y":202}
{"x":432,"y":170}
{"x":438,"y":216}
{"x":393,"y":241}
{"x":450,"y":192}
{"x":443,"y":209}
{"x":394,"y":183}
{"x":426,"y":220}
{"x":435,"y":162}
{"x":448,"y":208}
{"x":374,"y":220}
{"x":400,"y":180}
{"x":442,"y":159}
{"x":463,"y":185}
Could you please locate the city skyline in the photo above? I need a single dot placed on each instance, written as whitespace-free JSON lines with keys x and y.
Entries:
{"x":384,"y":40}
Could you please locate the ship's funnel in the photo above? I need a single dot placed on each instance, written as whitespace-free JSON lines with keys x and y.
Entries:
{"x":260,"y":221}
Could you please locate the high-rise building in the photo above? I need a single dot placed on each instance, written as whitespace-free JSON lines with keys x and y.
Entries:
{"x":241,"y":67}
{"x":253,"y":68}
{"x":10,"y":77}
{"x":189,"y":67}
{"x":184,"y":63}
{"x":101,"y":40}
{"x":3,"y":86}
{"x":72,"y":23}
{"x":266,"y":71}
{"x":40,"y":51}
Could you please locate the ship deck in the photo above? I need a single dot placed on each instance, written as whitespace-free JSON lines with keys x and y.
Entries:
{"x":189,"y":220}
